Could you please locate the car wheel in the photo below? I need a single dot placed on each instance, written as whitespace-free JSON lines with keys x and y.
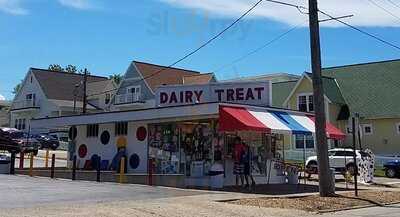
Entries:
{"x":390,"y":173}
{"x":350,"y":168}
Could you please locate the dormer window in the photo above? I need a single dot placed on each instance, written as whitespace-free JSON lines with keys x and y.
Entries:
{"x":133,"y":93}
{"x":305,"y":102}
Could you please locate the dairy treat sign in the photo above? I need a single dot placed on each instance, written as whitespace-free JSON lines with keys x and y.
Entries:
{"x":250,"y":93}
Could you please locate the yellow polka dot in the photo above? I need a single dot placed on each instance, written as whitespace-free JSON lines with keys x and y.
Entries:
{"x":122,"y":142}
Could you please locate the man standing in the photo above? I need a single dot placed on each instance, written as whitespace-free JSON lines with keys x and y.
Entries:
{"x":238,"y":167}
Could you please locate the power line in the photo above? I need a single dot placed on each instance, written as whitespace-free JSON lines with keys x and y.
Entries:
{"x":197,"y":49}
{"x":395,"y":4}
{"x":257,"y":49}
{"x":362,"y":31}
{"x":384,"y":9}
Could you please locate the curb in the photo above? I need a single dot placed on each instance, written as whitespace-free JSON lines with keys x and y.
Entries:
{"x":356,"y":207}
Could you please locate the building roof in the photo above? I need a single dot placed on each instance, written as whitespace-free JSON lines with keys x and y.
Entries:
{"x":280,"y":91}
{"x":331,"y":89}
{"x":99,"y":86}
{"x":60,"y":85}
{"x":156,"y":75}
{"x":273,"y":77}
{"x":198,"y":79}
{"x":370,"y":89}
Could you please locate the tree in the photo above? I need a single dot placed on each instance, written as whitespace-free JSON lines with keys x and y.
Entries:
{"x":17,"y":87}
{"x":56,"y":68}
{"x":71,"y":69}
{"x":117,"y":78}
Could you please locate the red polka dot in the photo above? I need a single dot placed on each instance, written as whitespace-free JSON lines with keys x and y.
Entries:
{"x":82,"y":151}
{"x":141,"y":133}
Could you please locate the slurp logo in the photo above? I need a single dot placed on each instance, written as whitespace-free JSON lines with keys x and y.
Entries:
{"x":254,"y":93}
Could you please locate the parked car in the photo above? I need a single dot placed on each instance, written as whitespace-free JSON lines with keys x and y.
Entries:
{"x":47,"y":142}
{"x":392,"y":169}
{"x":25,"y":143}
{"x":341,"y":159}
{"x":7,"y":143}
{"x":4,"y":157}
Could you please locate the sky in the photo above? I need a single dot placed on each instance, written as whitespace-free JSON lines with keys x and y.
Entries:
{"x":105,"y":36}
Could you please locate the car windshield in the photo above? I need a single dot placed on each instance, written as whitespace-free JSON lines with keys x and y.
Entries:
{"x":18,"y":135}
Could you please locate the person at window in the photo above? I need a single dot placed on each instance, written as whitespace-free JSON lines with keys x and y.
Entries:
{"x":247,"y":158}
{"x":238,"y":166}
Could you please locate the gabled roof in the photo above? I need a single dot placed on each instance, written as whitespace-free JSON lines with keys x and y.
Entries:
{"x":156,"y":75}
{"x":273,"y":77}
{"x":99,"y":86}
{"x":199,"y":79}
{"x":370,"y":89}
{"x":280,"y":91}
{"x":331,"y":89}
{"x":60,"y":85}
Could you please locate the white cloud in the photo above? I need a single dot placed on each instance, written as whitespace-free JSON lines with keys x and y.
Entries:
{"x":77,"y":4}
{"x":2,"y":97}
{"x":365,"y":13}
{"x":12,"y":7}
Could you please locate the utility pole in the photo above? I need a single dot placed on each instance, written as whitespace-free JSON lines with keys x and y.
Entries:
{"x":326,"y":185}
{"x":84,"y":92}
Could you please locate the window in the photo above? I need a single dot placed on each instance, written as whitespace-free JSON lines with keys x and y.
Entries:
{"x":107,"y":99}
{"x":398,"y":128}
{"x":367,"y":129}
{"x":133,"y":93}
{"x":92,"y":130}
{"x":304,"y":139}
{"x":305,"y":103}
{"x":121,"y":128}
{"x":20,"y":124}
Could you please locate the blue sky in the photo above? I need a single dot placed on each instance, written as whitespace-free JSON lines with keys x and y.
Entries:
{"x":105,"y":36}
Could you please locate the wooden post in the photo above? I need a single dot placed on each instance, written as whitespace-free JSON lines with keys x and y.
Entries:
{"x":326,"y":185}
{"x":98,"y":169}
{"x":46,"y":159}
{"x":74,"y":168}
{"x":122,"y":171}
{"x":12,"y":165}
{"x":53,"y":162}
{"x":31,"y":165}
{"x":21,"y":160}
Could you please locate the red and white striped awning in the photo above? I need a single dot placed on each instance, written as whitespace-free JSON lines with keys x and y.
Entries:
{"x":271,"y":121}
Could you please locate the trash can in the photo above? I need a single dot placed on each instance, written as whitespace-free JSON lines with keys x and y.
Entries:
{"x":5,"y":166}
{"x":217,"y":176}
{"x":293,"y":175}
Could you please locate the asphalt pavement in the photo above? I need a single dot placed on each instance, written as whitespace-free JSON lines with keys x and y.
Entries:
{"x":23,"y":192}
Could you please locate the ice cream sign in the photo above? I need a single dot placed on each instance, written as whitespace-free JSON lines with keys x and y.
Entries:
{"x":251,"y":93}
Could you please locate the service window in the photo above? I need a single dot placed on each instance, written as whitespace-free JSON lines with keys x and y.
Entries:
{"x":92,"y":130}
{"x":121,"y":128}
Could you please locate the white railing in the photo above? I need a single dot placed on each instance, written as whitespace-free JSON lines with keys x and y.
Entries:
{"x":127,"y":98}
{"x":28,"y":103}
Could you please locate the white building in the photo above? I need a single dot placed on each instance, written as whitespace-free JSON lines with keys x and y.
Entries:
{"x":46,"y":93}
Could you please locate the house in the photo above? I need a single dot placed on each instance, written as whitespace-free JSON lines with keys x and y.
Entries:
{"x":4,"y":113}
{"x":46,"y":93}
{"x":138,"y":87}
{"x":371,"y":90}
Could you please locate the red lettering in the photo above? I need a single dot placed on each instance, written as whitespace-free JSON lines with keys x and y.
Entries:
{"x":163,"y":97}
{"x":219,"y":92}
{"x":249,"y":94}
{"x":230,"y":95}
{"x":198,"y":95}
{"x":173,"y":98}
{"x":239,"y":94}
{"x":188,"y":96}
{"x":259,"y":90}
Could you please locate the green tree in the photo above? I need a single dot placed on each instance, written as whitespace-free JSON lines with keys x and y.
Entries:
{"x":17,"y":87}
{"x":70,"y":69}
{"x":56,"y":68}
{"x":117,"y":78}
